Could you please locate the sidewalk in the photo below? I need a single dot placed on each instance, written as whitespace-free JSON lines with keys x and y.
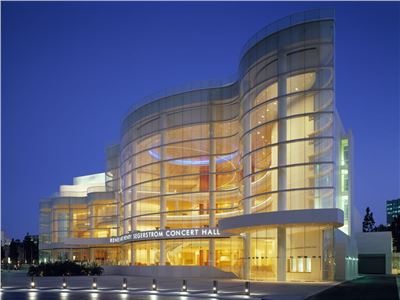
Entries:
{"x":198,"y":288}
{"x":378,"y":287}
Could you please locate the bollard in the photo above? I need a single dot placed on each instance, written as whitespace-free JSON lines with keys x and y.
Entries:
{"x":184,"y":286}
{"x":32,"y":283}
{"x":247,"y":288}
{"x":154,"y":286}
{"x":124,"y":284}
{"x":64,"y":284}
{"x":215,"y":287}
{"x":94,"y":284}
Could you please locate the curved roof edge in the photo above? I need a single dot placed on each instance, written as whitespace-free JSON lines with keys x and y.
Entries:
{"x":181,"y":89}
{"x":286,"y":22}
{"x":271,"y":28}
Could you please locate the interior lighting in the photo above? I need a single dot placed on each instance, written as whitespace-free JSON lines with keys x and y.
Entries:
{"x":197,"y":162}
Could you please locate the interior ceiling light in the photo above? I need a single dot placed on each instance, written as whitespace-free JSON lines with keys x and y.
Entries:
{"x":196,"y":162}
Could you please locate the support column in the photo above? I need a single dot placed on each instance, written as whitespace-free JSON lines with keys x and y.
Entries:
{"x":247,"y":255}
{"x":281,"y":253}
{"x":91,"y":219}
{"x":132,"y":197}
{"x":133,"y":206}
{"x":132,"y":254}
{"x":282,"y":131}
{"x":118,"y":211}
{"x":91,"y":254}
{"x":133,"y":226}
{"x":282,"y":161}
{"x":212,"y":188}
{"x":163,"y":187}
{"x":247,"y":171}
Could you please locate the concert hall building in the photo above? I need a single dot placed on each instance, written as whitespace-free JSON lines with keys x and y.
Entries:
{"x":249,"y":179}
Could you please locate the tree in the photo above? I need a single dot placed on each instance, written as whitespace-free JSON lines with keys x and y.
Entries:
{"x":382,"y":227}
{"x":27,"y":243}
{"x":13,"y":251}
{"x":369,"y":222}
{"x":31,"y":250}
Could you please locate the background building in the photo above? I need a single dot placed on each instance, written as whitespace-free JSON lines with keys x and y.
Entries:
{"x":392,"y":210}
{"x":251,"y":177}
{"x":82,"y":212}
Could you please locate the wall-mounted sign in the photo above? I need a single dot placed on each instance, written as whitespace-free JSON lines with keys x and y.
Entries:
{"x":165,"y":234}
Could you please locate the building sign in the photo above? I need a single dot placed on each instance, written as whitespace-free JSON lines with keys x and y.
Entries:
{"x":164,"y":234}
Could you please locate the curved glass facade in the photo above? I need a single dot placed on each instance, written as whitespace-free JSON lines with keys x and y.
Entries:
{"x":264,"y":144}
{"x":287,"y":121}
{"x":180,"y":169}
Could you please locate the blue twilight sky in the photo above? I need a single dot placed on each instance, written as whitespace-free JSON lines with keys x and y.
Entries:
{"x":71,"y":70}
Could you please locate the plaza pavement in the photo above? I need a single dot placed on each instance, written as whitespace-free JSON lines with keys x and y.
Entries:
{"x":168,"y":288}
{"x":369,"y":287}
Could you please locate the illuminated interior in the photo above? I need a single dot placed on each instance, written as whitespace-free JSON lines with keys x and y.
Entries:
{"x":263,"y":144}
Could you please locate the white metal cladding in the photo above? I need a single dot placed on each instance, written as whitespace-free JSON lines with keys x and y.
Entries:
{"x":333,"y":216}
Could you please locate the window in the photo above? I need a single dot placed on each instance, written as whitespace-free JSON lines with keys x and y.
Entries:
{"x":300,"y":265}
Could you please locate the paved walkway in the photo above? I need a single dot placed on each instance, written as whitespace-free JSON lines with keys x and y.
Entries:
{"x":379,"y":287}
{"x":168,"y":288}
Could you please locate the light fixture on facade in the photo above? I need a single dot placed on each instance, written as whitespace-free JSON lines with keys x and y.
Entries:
{"x":33,"y":285}
{"x":124,"y":284}
{"x":215,"y":287}
{"x":184,"y":286}
{"x":64,"y":284}
{"x":94,"y":284}
{"x":247,"y":288}
{"x":154,"y":285}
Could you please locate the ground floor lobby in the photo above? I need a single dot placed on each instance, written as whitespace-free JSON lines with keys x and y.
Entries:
{"x":291,"y":253}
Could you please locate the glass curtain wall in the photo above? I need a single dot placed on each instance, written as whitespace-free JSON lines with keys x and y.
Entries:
{"x":180,"y":170}
{"x":69,"y":217}
{"x":103,"y":217}
{"x":262,"y":144}
{"x":44,"y":230}
{"x":287,"y":113}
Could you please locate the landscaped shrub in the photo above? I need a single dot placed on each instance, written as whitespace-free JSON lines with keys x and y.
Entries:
{"x":65,"y":268}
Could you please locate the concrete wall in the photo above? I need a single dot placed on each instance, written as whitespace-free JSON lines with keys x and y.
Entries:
{"x":168,"y":271}
{"x":346,"y":256}
{"x":376,"y":243}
